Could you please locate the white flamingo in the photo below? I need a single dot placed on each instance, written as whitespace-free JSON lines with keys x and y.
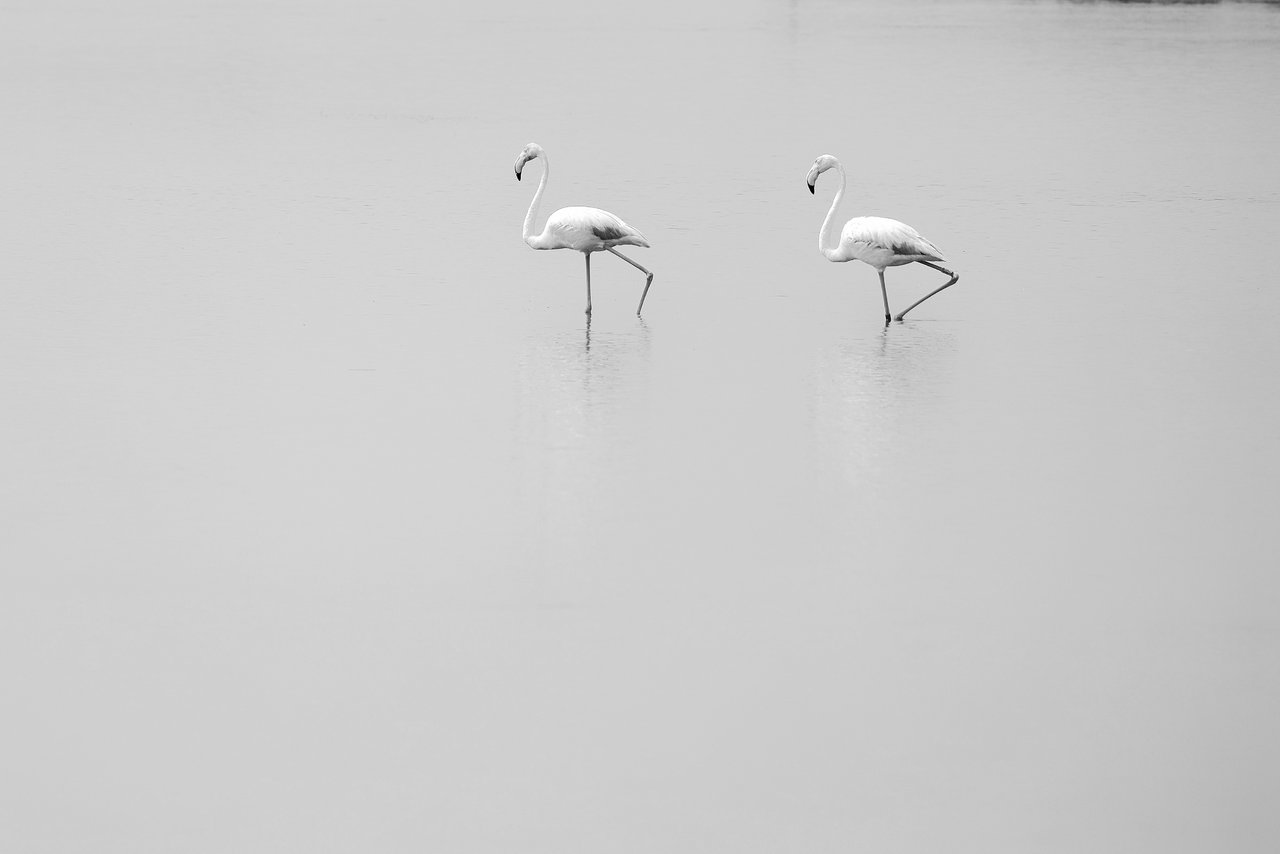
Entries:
{"x":875,"y":240}
{"x":584,"y":229}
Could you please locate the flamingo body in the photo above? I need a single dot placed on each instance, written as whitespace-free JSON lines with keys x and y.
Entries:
{"x":883,"y":242}
{"x":586,"y":230}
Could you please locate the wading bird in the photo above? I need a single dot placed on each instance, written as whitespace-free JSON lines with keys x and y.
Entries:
{"x":875,"y":240}
{"x":584,"y":229}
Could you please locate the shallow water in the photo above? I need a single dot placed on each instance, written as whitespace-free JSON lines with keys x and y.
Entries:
{"x":332,"y":526}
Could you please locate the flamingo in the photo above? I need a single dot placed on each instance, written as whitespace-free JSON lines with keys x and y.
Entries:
{"x":875,"y":240}
{"x":584,"y":229}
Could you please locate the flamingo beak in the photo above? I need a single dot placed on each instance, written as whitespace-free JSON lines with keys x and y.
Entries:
{"x":812,"y":177}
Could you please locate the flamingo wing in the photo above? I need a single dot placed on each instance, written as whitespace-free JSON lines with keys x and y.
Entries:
{"x":591,"y":229}
{"x":888,"y":235}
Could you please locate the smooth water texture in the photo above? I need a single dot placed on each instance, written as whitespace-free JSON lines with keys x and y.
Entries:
{"x":331,"y":526}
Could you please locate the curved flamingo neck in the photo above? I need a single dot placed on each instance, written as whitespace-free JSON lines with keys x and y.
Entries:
{"x":530,"y":237}
{"x":824,"y":236}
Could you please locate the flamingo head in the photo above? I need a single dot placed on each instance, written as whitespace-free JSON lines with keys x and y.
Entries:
{"x":822,"y":164}
{"x":531,"y":151}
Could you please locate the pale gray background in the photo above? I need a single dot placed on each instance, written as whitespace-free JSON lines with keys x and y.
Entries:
{"x":326,"y":531}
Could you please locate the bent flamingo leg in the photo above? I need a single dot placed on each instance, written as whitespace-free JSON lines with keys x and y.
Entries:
{"x":955,"y":277}
{"x":647,"y":282}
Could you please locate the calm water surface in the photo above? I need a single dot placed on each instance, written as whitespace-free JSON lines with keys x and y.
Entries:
{"x":332,"y":526}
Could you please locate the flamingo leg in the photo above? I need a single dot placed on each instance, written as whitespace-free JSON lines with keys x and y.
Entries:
{"x":954,"y":278}
{"x":647,"y":282}
{"x":884,"y":293}
{"x":588,"y":254}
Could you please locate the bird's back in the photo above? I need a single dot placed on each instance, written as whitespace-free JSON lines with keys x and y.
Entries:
{"x":591,"y":229}
{"x":884,"y":242}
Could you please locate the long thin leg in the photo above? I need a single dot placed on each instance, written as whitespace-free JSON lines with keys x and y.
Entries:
{"x":955,"y":277}
{"x":647,"y":282}
{"x":588,"y":255}
{"x":884,"y":293}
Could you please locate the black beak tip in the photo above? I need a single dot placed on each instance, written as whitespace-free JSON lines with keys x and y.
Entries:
{"x":517,"y":176}
{"x":811,"y":190}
